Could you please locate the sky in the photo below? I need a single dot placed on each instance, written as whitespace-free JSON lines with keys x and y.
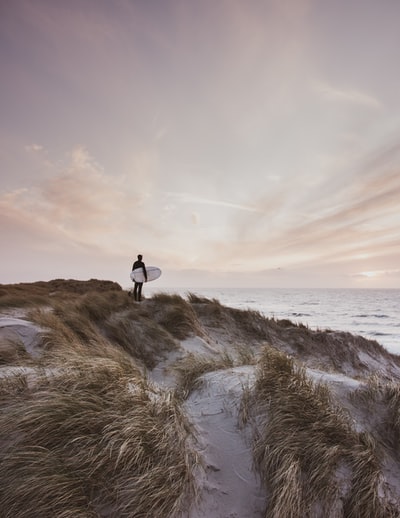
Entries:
{"x":233,"y":143}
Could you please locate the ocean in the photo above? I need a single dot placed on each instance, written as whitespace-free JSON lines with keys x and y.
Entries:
{"x":374,"y":314}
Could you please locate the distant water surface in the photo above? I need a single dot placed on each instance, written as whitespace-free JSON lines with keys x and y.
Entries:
{"x":374,"y":314}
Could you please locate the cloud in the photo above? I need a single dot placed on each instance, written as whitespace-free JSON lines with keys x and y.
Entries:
{"x":373,"y":274}
{"x":81,"y":200}
{"x":335,"y":221}
{"x":81,"y":205}
{"x":350,"y":96}
{"x":34,"y":148}
{"x":361,"y":218}
{"x":184,"y":197}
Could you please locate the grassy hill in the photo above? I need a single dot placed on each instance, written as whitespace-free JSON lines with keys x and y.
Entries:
{"x":183,"y":407}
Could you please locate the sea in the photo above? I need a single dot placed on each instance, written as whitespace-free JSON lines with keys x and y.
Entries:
{"x":372,"y":313}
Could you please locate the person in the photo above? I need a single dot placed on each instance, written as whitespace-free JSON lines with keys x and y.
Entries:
{"x":137,"y":290}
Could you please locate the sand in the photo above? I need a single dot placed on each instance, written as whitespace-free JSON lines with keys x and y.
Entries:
{"x":228,"y":485}
{"x":21,"y":330}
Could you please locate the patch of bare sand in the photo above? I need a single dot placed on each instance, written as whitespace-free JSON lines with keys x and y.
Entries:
{"x":20,"y":330}
{"x":229,"y":487}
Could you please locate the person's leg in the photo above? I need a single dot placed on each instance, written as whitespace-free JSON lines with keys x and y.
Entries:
{"x":140,"y":291}
{"x":135,"y":291}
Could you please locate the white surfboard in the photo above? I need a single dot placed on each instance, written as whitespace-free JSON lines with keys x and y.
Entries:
{"x":153,"y":273}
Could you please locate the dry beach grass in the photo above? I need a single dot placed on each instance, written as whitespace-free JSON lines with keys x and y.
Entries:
{"x":88,"y":435}
{"x":84,"y":431}
{"x":304,"y":442}
{"x":96,"y":439}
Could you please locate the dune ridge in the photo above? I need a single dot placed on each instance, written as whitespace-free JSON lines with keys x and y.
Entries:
{"x":183,"y":407}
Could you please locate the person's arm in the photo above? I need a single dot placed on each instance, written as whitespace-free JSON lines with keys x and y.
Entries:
{"x":145,"y":271}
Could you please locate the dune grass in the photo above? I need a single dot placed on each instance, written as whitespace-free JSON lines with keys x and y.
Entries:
{"x":303,"y":444}
{"x":141,"y":337}
{"x":96,"y":306}
{"x":42,"y":293}
{"x":109,"y":317}
{"x":194,"y":298}
{"x":381,"y":397}
{"x":13,"y":351}
{"x":93,"y":438}
{"x":191,"y":367}
{"x":83,"y":433}
{"x":245,"y":324}
{"x":176,"y":315}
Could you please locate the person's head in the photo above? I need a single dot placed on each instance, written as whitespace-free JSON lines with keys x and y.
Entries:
{"x":140,"y":257}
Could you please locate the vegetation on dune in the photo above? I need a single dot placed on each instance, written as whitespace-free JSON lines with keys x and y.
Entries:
{"x":335,"y":350}
{"x":141,"y":337}
{"x":303,"y":444}
{"x":189,"y":369}
{"x":176,"y":315}
{"x":92,"y":436}
{"x":246,"y":325}
{"x":13,"y":352}
{"x":380,"y":401}
{"x":84,"y":433}
{"x":41,"y":292}
{"x":111,"y":318}
{"x":94,"y":306}
{"x":193,"y":298}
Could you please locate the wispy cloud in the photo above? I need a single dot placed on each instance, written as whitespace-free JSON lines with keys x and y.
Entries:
{"x":203,"y":150}
{"x":363,"y":222}
{"x":33,"y":148}
{"x":373,"y":274}
{"x":184,"y":197}
{"x":345,"y":95}
{"x":80,"y":204}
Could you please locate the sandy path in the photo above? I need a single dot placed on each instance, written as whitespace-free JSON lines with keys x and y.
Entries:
{"x":229,"y":487}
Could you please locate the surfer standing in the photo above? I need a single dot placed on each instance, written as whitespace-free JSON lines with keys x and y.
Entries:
{"x":137,"y":290}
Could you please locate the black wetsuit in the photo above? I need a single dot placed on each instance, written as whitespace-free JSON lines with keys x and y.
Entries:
{"x":137,"y":290}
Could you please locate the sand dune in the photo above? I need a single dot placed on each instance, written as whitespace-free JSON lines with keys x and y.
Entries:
{"x":257,"y":417}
